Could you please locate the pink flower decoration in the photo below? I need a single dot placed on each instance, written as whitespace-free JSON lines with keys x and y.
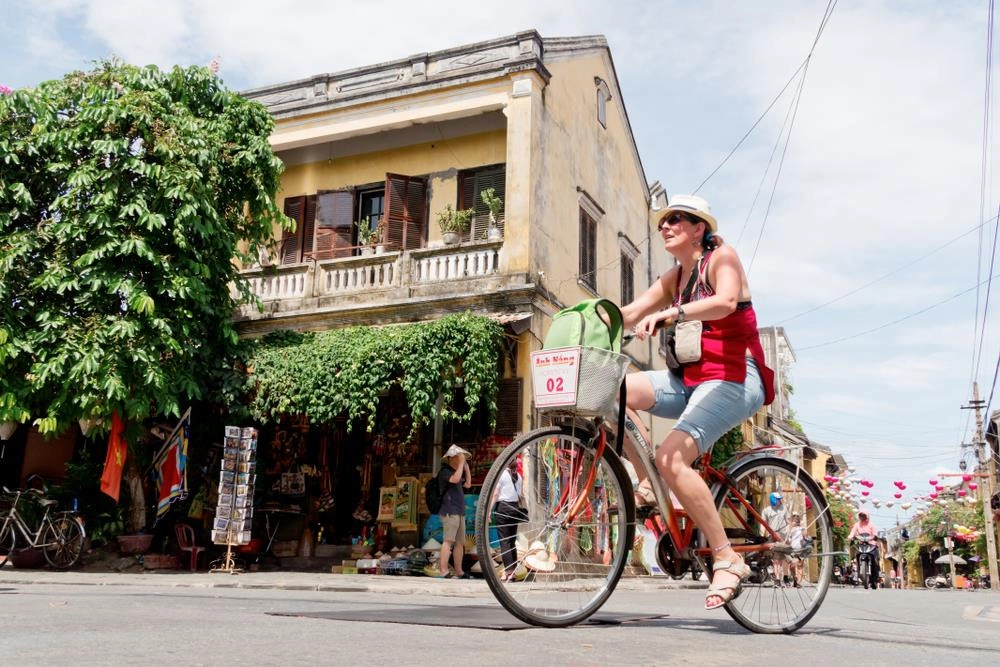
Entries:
{"x":5,"y":90}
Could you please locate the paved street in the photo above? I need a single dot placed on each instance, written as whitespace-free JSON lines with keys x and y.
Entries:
{"x":297,"y":618}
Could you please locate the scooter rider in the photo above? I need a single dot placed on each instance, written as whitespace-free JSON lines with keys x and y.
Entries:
{"x":865,"y":531}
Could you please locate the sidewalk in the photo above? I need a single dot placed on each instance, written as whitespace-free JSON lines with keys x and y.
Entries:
{"x":295,"y":581}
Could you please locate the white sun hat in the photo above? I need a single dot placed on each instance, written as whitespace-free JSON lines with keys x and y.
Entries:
{"x":455,"y":450}
{"x":692,"y":205}
{"x":539,"y":559}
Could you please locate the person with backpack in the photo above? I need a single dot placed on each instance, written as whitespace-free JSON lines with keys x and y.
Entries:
{"x":717,"y":377}
{"x":454,"y":467}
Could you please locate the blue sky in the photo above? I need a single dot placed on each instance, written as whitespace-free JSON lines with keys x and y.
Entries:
{"x":869,"y":254}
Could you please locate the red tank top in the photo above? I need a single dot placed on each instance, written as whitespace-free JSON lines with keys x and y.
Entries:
{"x":725,"y":342}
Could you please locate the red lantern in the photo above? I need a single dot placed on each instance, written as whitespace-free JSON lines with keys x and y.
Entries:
{"x":939,"y":488}
{"x":962,"y":493}
{"x":973,"y":486}
{"x":932,"y":496}
{"x":864,"y":493}
{"x":966,"y":477}
{"x":897,"y":495}
{"x":932,"y":482}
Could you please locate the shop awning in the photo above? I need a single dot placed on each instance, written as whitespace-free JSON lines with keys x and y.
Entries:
{"x":518,"y":322}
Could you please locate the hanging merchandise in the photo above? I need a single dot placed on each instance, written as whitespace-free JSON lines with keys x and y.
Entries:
{"x":234,"y":513}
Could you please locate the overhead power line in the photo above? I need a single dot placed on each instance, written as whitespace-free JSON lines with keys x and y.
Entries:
{"x":889,"y":324}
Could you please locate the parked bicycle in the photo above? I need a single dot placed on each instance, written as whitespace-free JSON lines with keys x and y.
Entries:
{"x":60,"y":535}
{"x":581,"y":524}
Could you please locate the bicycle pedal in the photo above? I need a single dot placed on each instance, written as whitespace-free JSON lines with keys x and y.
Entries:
{"x":646,"y":511}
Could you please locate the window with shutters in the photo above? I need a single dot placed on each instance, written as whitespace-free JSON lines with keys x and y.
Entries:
{"x":297,"y":245}
{"x":471,"y":183}
{"x":629,"y":253}
{"x":588,"y":250}
{"x":628,"y":279}
{"x":334,"y":234}
{"x":508,"y":407}
{"x":405,"y":211}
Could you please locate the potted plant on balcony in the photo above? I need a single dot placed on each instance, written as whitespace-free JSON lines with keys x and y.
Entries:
{"x":454,"y":223}
{"x":495,"y":204}
{"x":368,"y":236}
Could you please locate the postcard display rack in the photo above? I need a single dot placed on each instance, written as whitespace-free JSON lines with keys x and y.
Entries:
{"x":234,"y":513}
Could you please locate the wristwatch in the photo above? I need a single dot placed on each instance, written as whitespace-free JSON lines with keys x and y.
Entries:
{"x":680,"y":314}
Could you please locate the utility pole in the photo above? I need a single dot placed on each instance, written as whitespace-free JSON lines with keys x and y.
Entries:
{"x":985,"y":457}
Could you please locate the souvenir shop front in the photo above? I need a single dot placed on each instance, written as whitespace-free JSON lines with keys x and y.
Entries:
{"x":338,"y":468}
{"x":326,"y":493}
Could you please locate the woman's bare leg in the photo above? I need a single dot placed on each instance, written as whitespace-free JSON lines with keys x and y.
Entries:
{"x":640,"y":396}
{"x":673,"y":460}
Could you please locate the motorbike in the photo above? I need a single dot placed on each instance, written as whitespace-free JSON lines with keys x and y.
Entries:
{"x":867,"y":560}
{"x":938,"y":581}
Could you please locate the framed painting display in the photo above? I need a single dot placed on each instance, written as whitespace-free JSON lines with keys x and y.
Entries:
{"x":407,"y":498}
{"x":387,"y":503}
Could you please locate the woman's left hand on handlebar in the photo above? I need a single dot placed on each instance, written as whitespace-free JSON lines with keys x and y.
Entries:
{"x":650,"y":323}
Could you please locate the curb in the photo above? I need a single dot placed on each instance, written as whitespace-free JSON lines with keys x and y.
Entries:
{"x":298,"y":581}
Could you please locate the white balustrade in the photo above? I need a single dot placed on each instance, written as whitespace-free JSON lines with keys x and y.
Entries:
{"x":282,"y":283}
{"x":468,"y":263}
{"x":356,"y":275}
{"x":373,"y":272}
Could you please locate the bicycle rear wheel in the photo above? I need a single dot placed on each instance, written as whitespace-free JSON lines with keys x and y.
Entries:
{"x":571,"y":551}
{"x":766,"y":605}
{"x":63,"y":538}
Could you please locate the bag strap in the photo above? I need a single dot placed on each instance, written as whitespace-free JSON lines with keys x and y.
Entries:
{"x":616,"y":324}
{"x":685,"y":296}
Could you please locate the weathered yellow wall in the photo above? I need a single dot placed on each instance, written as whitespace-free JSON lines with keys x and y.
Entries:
{"x":580,"y":154}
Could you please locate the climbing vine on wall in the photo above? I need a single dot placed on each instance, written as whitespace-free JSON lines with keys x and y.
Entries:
{"x":342,"y":372}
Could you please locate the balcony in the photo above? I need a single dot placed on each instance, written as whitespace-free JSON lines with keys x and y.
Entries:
{"x":466,"y":273}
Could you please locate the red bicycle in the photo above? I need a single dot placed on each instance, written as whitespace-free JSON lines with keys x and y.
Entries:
{"x":581,"y":526}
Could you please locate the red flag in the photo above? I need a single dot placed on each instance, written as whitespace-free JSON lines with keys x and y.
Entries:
{"x":111,"y":479}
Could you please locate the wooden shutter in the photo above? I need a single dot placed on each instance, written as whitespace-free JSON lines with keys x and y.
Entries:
{"x":298,"y":244}
{"x":405,"y":205}
{"x":509,"y":407}
{"x":308,"y":228}
{"x":290,"y":250}
{"x":334,"y":225}
{"x":471,"y":184}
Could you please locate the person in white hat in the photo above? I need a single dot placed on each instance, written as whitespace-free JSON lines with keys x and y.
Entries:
{"x":721,"y":384}
{"x":454,"y":466}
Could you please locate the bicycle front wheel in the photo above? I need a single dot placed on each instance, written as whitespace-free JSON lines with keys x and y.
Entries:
{"x":769,"y":604}
{"x":63,"y":540}
{"x":560,"y":565}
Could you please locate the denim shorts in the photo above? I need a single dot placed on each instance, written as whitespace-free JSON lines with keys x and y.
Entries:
{"x":709,"y":410}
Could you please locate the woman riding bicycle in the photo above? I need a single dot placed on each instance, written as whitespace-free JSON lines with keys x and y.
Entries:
{"x":709,"y":396}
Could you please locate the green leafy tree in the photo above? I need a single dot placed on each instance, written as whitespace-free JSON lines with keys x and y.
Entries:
{"x":126,"y":194}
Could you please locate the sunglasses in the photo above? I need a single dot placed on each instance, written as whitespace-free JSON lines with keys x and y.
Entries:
{"x":675,"y":219}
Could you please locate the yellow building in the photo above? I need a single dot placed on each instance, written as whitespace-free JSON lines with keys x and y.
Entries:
{"x":389,"y":147}
{"x":540,"y":120}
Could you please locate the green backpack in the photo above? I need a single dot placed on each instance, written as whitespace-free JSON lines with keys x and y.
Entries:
{"x":582,"y":324}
